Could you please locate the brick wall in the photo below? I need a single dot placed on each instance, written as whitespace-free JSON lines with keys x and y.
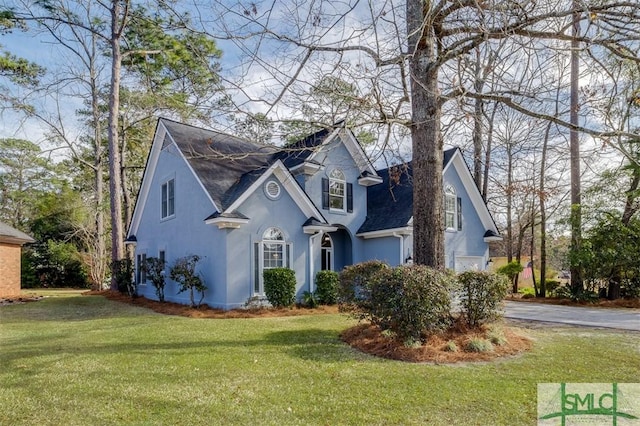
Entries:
{"x":9,"y":270}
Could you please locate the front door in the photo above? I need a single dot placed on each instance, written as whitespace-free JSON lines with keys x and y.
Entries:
{"x":326,"y":253}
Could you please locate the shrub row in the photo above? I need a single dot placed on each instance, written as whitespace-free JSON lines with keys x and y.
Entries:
{"x":415,"y":301}
{"x":280,"y":288}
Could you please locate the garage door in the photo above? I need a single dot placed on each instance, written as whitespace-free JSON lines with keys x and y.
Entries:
{"x":469,"y":263}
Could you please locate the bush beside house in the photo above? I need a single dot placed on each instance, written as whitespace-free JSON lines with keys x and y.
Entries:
{"x":280,"y":286}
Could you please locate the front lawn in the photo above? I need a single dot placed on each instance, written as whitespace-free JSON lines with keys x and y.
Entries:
{"x":79,"y":360}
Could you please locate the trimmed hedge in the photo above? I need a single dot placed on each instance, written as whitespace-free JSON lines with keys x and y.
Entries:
{"x":481,"y":294}
{"x":327,"y":283}
{"x":280,"y":286}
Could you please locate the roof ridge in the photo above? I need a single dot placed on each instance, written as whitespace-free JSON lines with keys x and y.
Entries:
{"x":210,"y":130}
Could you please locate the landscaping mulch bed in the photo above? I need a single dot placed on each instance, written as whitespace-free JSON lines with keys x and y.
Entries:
{"x":369,"y":339}
{"x":169,"y":308}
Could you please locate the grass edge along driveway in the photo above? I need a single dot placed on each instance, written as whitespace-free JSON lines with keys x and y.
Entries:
{"x":78,"y":360}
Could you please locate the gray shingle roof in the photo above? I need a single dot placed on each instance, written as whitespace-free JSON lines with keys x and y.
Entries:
{"x":296,"y":153}
{"x":227,"y":165}
{"x":224,"y":164}
{"x":390,"y":204}
{"x":12,"y":234}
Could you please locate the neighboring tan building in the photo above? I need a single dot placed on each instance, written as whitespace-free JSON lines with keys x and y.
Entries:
{"x":11,"y":241}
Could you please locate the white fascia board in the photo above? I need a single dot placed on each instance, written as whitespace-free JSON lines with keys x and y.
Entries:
{"x":308,"y":168}
{"x":227,"y":222}
{"x":290,"y":185}
{"x":353,"y":147}
{"x":356,"y":151}
{"x":407,"y":230}
{"x":314,"y":229}
{"x":472,"y":190}
{"x":147,"y":177}
{"x":328,"y":139}
{"x":369,"y":180}
{"x":490,"y":239}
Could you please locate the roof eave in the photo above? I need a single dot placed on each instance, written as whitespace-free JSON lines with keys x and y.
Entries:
{"x":393,"y":232}
{"x":227,"y":222}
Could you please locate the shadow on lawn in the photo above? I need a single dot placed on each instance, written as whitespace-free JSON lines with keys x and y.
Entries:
{"x":316,"y":345}
{"x":74,"y":308}
{"x":313,"y":345}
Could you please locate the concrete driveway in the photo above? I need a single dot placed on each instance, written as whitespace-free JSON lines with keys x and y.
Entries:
{"x":622,"y":319}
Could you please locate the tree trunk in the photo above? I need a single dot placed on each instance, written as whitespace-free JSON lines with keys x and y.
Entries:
{"x":115,"y":166}
{"x":613,"y":290}
{"x":630,"y":205}
{"x":428,"y":217}
{"x":98,"y":267}
{"x":532,"y":247}
{"x":574,"y":144}
{"x":487,"y":155}
{"x":477,"y":123}
{"x":543,"y":216}
{"x":509,"y":193}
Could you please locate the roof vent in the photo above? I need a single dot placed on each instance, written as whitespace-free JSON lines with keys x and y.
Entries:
{"x":272,"y":189}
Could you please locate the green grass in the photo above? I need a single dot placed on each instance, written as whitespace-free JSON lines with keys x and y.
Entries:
{"x":85,"y":360}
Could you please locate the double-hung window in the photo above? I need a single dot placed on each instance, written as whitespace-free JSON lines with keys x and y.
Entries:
{"x":452,"y":210}
{"x":337,"y":191}
{"x":168,"y":198}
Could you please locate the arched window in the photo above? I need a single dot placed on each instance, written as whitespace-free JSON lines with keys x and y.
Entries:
{"x":449,"y":208}
{"x":273,"y":251}
{"x":337,"y":190}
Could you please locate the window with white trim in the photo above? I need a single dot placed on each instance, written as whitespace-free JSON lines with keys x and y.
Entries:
{"x":272,"y":252}
{"x":337,"y":190}
{"x":450,"y":208}
{"x":168,"y":199}
{"x":141,"y":271}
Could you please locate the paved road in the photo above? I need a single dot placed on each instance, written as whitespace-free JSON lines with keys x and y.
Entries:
{"x":623,"y":319}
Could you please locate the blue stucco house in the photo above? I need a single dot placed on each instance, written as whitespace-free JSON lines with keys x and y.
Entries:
{"x":313,"y":205}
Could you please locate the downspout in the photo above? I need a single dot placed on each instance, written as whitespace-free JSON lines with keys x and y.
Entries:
{"x":311,"y":271}
{"x":395,"y":234}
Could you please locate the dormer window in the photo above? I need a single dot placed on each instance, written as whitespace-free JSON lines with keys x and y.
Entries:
{"x":337,"y":191}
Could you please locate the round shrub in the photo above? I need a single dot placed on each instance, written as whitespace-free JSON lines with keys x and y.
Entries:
{"x":411,"y":300}
{"x":280,"y":286}
{"x":327,"y":283}
{"x":551,"y":285}
{"x":355,"y":282}
{"x":481,"y":294}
